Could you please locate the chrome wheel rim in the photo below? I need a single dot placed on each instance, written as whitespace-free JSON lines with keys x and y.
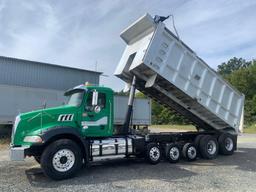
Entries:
{"x":63,"y":160}
{"x":192,"y":152}
{"x":211,"y":147}
{"x":229,"y":144}
{"x":174,"y":153}
{"x":154,"y":153}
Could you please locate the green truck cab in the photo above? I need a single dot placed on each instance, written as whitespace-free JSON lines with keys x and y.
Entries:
{"x":86,"y":118}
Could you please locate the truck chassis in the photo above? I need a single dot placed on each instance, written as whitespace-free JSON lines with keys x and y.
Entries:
{"x":139,"y":145}
{"x":153,"y":147}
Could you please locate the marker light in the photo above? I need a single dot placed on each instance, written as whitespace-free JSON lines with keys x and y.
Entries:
{"x":87,"y":83}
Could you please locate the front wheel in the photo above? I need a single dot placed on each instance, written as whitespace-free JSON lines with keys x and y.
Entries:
{"x":61,"y":159}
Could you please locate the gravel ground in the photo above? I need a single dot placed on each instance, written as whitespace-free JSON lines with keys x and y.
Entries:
{"x":226,"y":173}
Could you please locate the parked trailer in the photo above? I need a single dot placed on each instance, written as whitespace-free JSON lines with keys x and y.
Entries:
{"x":62,"y":138}
{"x":18,"y":99}
{"x":141,"y":111}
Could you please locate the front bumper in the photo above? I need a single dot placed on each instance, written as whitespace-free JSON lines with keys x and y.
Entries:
{"x":18,"y":153}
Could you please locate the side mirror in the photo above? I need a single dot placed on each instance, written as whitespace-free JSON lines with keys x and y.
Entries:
{"x":97,"y":109}
{"x":94,"y":98}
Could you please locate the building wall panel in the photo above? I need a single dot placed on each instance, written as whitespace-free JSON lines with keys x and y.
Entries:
{"x":42,"y":75}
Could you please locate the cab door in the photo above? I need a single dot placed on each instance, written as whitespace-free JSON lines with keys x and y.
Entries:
{"x":96,"y":117}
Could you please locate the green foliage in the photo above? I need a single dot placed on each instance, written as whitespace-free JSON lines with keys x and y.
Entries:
{"x":163,"y":115}
{"x":156,"y":113}
{"x":140,"y":95}
{"x":250,"y":129}
{"x":244,"y":80}
{"x":232,"y":65}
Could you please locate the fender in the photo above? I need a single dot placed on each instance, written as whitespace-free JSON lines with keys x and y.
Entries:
{"x":47,"y":134}
{"x":51,"y":134}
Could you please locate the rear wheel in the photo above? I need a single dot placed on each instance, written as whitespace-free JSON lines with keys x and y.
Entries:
{"x":153,"y":153}
{"x":189,"y":152}
{"x":61,"y":159}
{"x":208,"y":147}
{"x":226,"y":144}
{"x":173,"y":153}
{"x":197,"y":140}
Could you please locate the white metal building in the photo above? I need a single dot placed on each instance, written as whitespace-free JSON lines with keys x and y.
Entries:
{"x":27,"y":85}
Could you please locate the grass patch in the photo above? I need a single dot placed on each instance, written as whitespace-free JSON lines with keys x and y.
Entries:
{"x":250,"y":129}
{"x":175,"y":127}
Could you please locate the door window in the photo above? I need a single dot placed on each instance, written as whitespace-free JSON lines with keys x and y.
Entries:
{"x":101,"y":101}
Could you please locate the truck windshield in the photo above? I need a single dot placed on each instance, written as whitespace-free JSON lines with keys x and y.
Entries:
{"x":75,"y":99}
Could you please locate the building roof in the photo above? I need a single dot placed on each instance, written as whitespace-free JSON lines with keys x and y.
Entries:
{"x":51,"y":64}
{"x":20,"y":72}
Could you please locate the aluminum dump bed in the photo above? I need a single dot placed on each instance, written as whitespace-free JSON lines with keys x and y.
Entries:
{"x":168,"y":71}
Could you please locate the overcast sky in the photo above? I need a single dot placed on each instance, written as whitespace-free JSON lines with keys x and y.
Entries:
{"x":79,"y":33}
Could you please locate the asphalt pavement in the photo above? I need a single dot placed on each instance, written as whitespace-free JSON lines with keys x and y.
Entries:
{"x":226,"y":173}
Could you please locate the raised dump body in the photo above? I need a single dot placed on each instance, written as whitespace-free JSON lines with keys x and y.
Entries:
{"x":168,"y":71}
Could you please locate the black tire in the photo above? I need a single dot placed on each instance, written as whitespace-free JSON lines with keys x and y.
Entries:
{"x":197,"y":143}
{"x":63,"y":151}
{"x":209,"y":147}
{"x":153,"y":153}
{"x":189,"y":152}
{"x":173,"y":153}
{"x":37,"y":158}
{"x":226,"y":144}
{"x":197,"y":140}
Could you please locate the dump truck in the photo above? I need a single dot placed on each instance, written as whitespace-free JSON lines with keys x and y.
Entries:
{"x":157,"y":63}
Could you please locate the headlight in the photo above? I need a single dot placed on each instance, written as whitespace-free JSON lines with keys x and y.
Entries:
{"x":33,"y":139}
